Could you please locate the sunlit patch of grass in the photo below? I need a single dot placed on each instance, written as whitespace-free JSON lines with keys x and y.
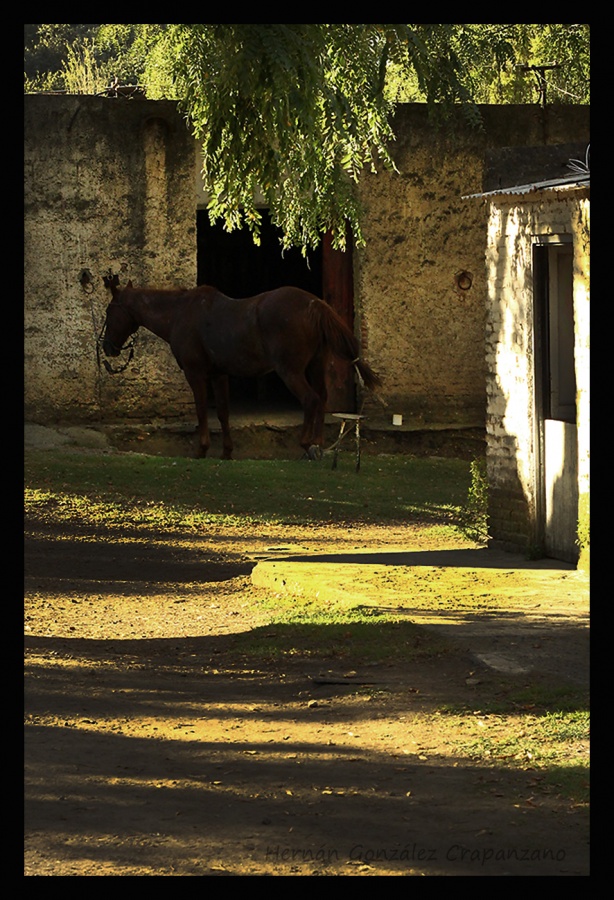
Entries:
{"x":305,"y":627}
{"x":527,"y":740}
{"x":342,"y":638}
{"x":571,"y":780}
{"x":538,"y":697}
{"x":553,"y":742}
{"x":117,"y":515}
{"x":387,"y":489}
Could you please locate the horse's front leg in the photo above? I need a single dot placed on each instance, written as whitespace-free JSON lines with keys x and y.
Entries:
{"x":313,"y":396}
{"x":198,"y":383}
{"x":221,"y":392}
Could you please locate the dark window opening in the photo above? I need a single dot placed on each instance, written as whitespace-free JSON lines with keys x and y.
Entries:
{"x":239,"y":268}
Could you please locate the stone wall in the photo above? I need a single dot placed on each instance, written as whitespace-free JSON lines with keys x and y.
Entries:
{"x":420,"y":281}
{"x":111,"y":185}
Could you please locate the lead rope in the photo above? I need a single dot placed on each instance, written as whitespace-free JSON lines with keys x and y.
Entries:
{"x":97,"y":341}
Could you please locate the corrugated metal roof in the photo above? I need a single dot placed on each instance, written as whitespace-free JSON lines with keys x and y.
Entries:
{"x":567,"y":183}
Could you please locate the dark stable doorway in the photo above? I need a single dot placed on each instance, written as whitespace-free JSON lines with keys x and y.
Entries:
{"x":235,"y":265}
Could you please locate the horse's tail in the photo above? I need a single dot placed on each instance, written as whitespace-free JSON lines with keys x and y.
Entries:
{"x":343,"y":343}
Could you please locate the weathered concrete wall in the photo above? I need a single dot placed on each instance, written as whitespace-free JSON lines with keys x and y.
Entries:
{"x":581,"y":227}
{"x":512,"y":451}
{"x":109,"y":186}
{"x":513,"y":454}
{"x":420,"y":281}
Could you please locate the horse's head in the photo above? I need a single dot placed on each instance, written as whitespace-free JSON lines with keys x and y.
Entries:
{"x":120,"y":322}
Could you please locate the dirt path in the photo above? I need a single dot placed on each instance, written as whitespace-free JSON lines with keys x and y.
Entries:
{"x":512,"y":614}
{"x":156,"y":746}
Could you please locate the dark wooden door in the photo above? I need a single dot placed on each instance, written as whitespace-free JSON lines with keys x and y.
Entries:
{"x":338,"y":291}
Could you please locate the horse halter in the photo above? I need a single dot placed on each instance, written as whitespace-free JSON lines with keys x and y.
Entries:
{"x":129,"y":346}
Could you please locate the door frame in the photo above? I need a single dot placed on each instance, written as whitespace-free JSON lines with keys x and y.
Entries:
{"x":338,"y":292}
{"x":554,"y":420}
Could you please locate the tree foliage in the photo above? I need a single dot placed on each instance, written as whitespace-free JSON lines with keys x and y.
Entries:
{"x":290,"y":115}
{"x":46,"y":50}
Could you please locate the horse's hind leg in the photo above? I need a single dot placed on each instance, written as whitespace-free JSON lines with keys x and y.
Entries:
{"x":313,"y":403}
{"x":221,"y":393}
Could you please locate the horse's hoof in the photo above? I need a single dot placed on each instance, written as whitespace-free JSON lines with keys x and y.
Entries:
{"x":314,"y":452}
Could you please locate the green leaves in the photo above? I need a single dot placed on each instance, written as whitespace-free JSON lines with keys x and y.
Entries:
{"x":290,"y":116}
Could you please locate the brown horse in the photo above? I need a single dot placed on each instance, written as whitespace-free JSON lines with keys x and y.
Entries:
{"x":212,"y":336}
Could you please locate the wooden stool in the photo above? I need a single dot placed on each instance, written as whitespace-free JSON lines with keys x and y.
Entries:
{"x":346,"y":420}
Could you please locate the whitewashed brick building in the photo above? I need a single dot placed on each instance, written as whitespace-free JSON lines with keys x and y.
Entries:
{"x":537,"y":361}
